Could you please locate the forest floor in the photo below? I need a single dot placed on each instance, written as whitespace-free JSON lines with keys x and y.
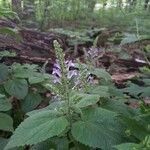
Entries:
{"x":122,"y":61}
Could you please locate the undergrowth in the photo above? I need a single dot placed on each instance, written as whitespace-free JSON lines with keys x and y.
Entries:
{"x":76,"y":116}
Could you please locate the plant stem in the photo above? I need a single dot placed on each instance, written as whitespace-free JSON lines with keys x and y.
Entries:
{"x":66,"y":94}
{"x":64,"y":80}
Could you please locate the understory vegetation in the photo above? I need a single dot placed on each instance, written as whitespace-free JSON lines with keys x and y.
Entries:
{"x":75,"y":75}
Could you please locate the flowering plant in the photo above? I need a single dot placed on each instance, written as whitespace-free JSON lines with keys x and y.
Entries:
{"x":77,"y":117}
{"x":71,"y":73}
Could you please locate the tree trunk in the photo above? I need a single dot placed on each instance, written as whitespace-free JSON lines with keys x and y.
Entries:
{"x":132,"y":4}
{"x":120,"y":4}
{"x":146,"y":4}
{"x":91,"y":5}
{"x":16,"y":6}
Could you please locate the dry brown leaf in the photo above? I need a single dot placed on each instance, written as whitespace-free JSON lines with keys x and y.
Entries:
{"x":124,"y":76}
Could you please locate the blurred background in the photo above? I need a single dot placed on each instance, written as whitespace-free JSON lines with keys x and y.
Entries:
{"x":79,"y":14}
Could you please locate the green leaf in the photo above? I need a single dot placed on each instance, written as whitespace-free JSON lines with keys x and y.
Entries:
{"x":6,"y":122}
{"x":8,"y":14}
{"x":93,"y":135}
{"x":22,"y":73}
{"x":37,"y":128}
{"x":10,"y":31}
{"x":53,"y":143}
{"x":25,"y":71}
{"x":146,"y":81}
{"x":36,"y":78}
{"x":101,"y":73}
{"x":3,"y":72}
{"x":52,"y":112}
{"x":102,"y":116}
{"x":130,"y":38}
{"x":147,"y":48}
{"x":102,"y":91}
{"x":5,"y":105}
{"x":55,"y":108}
{"x":46,"y":145}
{"x":131,"y":89}
{"x":5,"y":53}
{"x":128,"y":146}
{"x":3,"y":142}
{"x":29,"y":72}
{"x":87,"y":100}
{"x":144,"y":91}
{"x":2,"y":96}
{"x":17,"y":88}
{"x":31,"y":101}
{"x":135,"y":127}
{"x":120,"y":107}
{"x":98,"y":129}
{"x":61,"y":143}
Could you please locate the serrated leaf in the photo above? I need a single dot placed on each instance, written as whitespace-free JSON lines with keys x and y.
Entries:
{"x":31,"y":101}
{"x":52,"y":88}
{"x":146,"y":82}
{"x":52,"y":112}
{"x":102,"y":116}
{"x":61,"y":143}
{"x":102,"y":91}
{"x":128,"y":146}
{"x":53,"y":108}
{"x":46,"y":145}
{"x":87,"y":100}
{"x":17,"y":88}
{"x":98,"y":129}
{"x":5,"y":105}
{"x":6,"y":122}
{"x":3,"y":142}
{"x":20,"y":72}
{"x":28,"y":71}
{"x":37,"y":128}
{"x":3,"y":72}
{"x":54,"y":143}
{"x":36,"y":78}
{"x":131,"y":89}
{"x":93,"y":135}
{"x":120,"y":107}
{"x":101,"y":73}
{"x":130,"y":38}
{"x":135,"y":127}
{"x":144,"y":91}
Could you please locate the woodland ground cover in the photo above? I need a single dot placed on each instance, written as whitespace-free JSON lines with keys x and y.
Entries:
{"x":83,"y":84}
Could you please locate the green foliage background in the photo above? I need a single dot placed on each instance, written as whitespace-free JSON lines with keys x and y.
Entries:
{"x":46,"y":14}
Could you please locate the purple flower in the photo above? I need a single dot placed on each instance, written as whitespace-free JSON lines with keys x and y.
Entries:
{"x":56,"y":72}
{"x":56,"y":65}
{"x":72,"y":73}
{"x":90,"y":79}
{"x":56,"y":79}
{"x":69,"y":64}
{"x":93,"y":52}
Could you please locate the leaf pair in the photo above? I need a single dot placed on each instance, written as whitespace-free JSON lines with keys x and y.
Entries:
{"x":37,"y":128}
{"x":97,"y":129}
